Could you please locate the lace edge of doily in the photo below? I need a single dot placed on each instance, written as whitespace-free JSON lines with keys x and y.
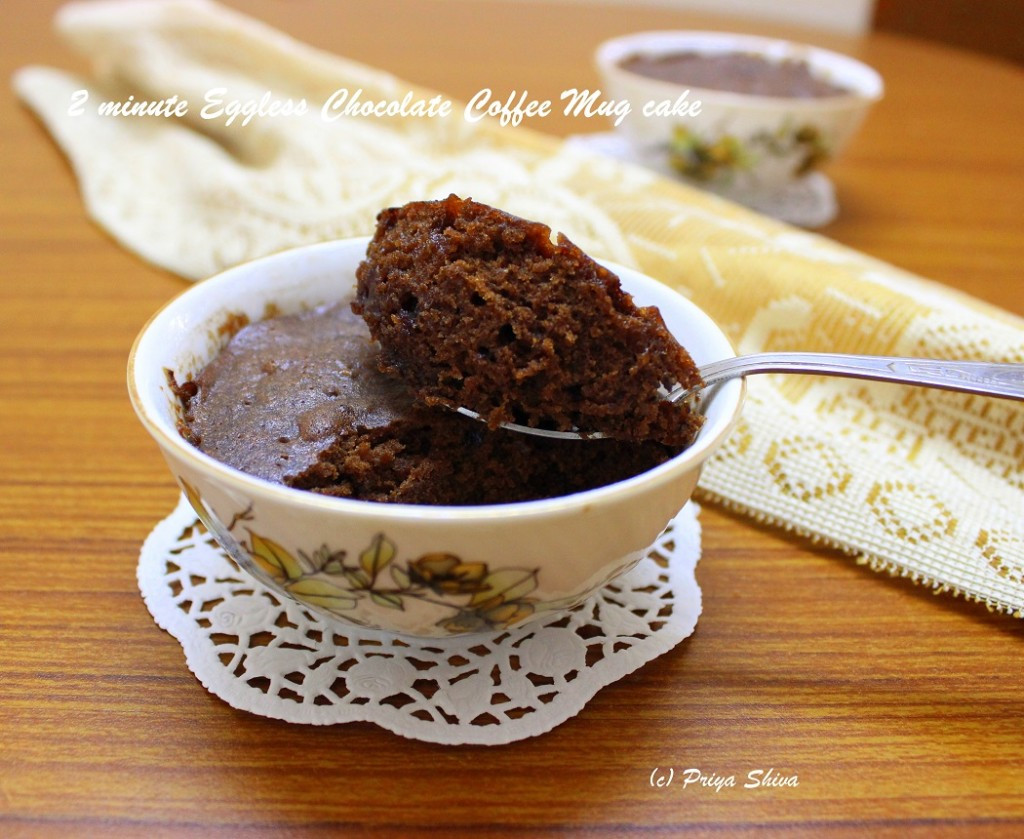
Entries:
{"x":683,"y":581}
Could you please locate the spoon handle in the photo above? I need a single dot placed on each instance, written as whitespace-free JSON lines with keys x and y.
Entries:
{"x":983,"y":377}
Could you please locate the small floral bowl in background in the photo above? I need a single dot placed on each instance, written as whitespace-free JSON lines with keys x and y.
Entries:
{"x":419,"y":570}
{"x":735,"y":143}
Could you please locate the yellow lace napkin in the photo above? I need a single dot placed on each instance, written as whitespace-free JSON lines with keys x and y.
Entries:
{"x":920,"y":483}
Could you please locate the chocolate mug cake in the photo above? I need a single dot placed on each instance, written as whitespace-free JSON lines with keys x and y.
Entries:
{"x":309,"y":400}
{"x":735,"y":72}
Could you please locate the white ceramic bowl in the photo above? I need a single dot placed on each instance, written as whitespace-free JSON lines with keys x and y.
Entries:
{"x":415,"y":570}
{"x":735,"y":140}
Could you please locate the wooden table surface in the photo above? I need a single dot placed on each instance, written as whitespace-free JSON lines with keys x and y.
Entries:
{"x":899,"y":711}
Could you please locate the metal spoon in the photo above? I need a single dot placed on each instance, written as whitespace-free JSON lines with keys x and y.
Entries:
{"x":981,"y":377}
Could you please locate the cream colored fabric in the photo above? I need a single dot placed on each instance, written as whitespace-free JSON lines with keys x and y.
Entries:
{"x":920,"y":483}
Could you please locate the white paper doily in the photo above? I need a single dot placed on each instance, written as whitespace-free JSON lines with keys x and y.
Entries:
{"x":809,"y":201}
{"x":269,"y":656}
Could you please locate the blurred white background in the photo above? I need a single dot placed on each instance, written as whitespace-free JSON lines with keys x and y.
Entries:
{"x":846,"y":16}
{"x":992,"y":27}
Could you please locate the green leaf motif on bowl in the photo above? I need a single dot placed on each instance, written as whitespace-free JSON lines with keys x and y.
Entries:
{"x":474,"y":597}
{"x":726,"y":155}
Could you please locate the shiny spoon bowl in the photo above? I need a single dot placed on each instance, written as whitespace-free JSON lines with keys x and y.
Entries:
{"x":979,"y":377}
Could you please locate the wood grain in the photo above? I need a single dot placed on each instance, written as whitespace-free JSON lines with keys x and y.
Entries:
{"x":986,"y":26}
{"x":899,"y":711}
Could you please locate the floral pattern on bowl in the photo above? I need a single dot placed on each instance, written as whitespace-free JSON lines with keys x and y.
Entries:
{"x":470,"y":596}
{"x":749,"y":143}
{"x":801,"y":147}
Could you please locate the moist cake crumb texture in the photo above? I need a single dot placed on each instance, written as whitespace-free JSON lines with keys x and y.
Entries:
{"x":475,"y":307}
{"x":298,"y":400}
{"x":456,"y":304}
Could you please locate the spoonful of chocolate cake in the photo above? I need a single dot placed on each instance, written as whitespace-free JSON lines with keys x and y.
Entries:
{"x":483,"y":313}
{"x":480,"y":310}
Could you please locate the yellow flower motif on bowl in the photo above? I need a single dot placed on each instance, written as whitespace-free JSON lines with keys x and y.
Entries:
{"x":477,"y":598}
